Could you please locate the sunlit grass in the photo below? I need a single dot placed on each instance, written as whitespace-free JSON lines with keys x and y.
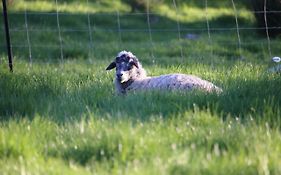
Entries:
{"x":70,"y":7}
{"x":187,"y":13}
{"x":183,"y":12}
{"x":192,"y":142}
{"x":66,"y":119}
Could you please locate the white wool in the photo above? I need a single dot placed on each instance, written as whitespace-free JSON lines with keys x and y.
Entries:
{"x":172,"y":82}
{"x":182,"y":82}
{"x":130,"y":54}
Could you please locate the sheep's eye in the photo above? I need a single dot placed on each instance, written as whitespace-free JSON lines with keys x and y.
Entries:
{"x":130,"y":65}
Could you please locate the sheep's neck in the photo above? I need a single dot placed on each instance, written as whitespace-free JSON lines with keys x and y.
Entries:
{"x":139,"y":75}
{"x":126,"y":84}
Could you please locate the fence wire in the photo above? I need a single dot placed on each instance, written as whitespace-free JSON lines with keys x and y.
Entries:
{"x":27,"y":35}
{"x":266,"y":28}
{"x":59,"y":31}
{"x":91,"y":45}
{"x":237,"y":28}
{"x":120,"y":18}
{"x":179,"y":28}
{"x":149,"y":30}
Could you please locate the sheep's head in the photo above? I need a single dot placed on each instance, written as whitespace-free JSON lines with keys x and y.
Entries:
{"x":126,"y":65}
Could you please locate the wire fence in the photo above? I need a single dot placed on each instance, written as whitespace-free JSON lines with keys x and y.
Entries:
{"x":35,"y":33}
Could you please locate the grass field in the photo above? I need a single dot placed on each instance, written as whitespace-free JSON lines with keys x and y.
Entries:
{"x":64,"y":118}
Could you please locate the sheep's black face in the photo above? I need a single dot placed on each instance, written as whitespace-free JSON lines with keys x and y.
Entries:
{"x":125,"y":63}
{"x":124,"y":67}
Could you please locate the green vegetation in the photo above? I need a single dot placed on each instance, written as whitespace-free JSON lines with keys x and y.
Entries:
{"x":74,"y":27}
{"x":65,"y":118}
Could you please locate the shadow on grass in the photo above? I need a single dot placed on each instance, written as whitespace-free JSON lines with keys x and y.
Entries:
{"x":45,"y":41}
{"x":86,"y":153}
{"x":25,"y":96}
{"x":30,"y":96}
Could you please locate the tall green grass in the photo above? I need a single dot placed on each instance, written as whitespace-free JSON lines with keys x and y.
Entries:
{"x":66,"y":118}
{"x":58,"y":120}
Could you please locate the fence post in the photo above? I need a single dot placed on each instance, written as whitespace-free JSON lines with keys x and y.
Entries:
{"x":5,"y":16}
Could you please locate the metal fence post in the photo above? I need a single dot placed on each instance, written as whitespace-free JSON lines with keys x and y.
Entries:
{"x":6,"y":23}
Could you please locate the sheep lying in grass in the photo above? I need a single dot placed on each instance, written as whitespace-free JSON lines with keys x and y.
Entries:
{"x":130,"y":76}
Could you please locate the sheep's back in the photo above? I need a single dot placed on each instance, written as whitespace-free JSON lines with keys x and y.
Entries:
{"x":173,"y":82}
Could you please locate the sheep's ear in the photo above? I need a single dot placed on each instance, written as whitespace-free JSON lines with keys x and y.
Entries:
{"x":135,"y":63}
{"x":111,"y":66}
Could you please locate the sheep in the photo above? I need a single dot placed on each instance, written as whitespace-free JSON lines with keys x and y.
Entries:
{"x":130,"y":76}
{"x":275,"y":69}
